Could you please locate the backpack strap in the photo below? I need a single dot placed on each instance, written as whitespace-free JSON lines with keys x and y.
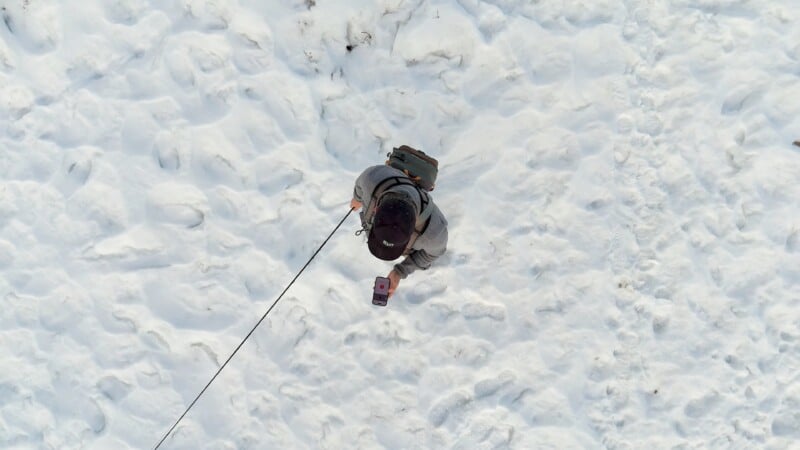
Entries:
{"x":423,"y":221}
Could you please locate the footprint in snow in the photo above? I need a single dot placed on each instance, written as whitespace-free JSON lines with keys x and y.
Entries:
{"x":113,"y":388}
{"x":426,"y":290}
{"x":167,"y":151}
{"x":480,"y":310}
{"x":36,"y":27}
{"x":76,"y":170}
{"x":787,"y":424}
{"x":491,"y":386}
{"x":180,"y":204}
{"x":701,"y":406}
{"x":793,"y":241}
{"x":453,"y":403}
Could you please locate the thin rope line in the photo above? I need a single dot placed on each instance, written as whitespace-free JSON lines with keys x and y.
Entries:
{"x":251,"y":332}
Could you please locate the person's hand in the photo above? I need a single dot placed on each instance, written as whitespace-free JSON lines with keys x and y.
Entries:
{"x":355,"y":204}
{"x":394,"y":280}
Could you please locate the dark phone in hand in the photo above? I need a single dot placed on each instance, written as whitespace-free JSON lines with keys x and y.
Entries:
{"x":380,"y":292}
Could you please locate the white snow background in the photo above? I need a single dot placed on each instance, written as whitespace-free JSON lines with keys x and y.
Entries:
{"x":623,"y":268}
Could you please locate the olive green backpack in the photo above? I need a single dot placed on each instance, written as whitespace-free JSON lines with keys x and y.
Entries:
{"x":421,"y":168}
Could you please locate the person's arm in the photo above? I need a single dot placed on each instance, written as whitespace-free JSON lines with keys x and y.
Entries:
{"x":423,"y":259}
{"x":418,"y":259}
{"x":359,"y":190}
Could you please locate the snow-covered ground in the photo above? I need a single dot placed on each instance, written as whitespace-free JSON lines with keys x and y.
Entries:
{"x":623,"y":197}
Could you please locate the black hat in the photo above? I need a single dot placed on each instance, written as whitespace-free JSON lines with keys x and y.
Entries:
{"x":392,"y":228}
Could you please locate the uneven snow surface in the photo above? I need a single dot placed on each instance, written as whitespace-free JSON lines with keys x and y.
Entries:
{"x":619,"y":178}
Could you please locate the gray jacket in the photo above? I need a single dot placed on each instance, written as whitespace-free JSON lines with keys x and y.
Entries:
{"x":429,"y":245}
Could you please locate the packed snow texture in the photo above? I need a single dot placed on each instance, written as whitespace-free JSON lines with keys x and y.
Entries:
{"x":624,"y":260}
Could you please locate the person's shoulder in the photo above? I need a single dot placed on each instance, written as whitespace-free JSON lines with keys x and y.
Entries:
{"x":371,"y":173}
{"x":382,"y":172}
{"x":387,"y":169}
